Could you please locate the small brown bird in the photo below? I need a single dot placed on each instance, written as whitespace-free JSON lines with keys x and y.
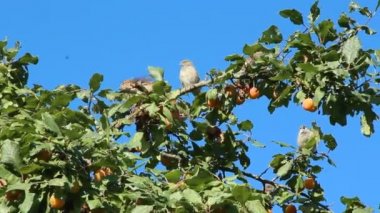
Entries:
{"x":136,"y":85}
{"x":188,"y":75}
{"x":304,"y":136}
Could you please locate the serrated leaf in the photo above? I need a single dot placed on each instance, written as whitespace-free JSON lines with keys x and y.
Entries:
{"x":351,"y":49}
{"x":94,"y":204}
{"x":241,"y":193}
{"x":314,"y":12}
{"x":50,"y":123}
{"x":285,"y":168}
{"x":255,"y":206}
{"x":138,"y":142}
{"x":143,"y":209}
{"x":57,"y":182}
{"x":30,"y":168}
{"x":271,"y":36}
{"x":294,"y":15}
{"x":319,"y":94}
{"x":199,"y":179}
{"x":282,"y":75}
{"x":192,"y":196}
{"x":19,"y":186}
{"x":330,"y":141}
{"x":10,"y":153}
{"x":30,"y":202}
{"x":95,"y":81}
{"x":156,"y":72}
{"x":326,"y":31}
{"x":28,"y":59}
{"x":159,"y":87}
{"x":344,"y":21}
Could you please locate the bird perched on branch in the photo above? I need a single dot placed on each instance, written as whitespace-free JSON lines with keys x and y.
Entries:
{"x":137,"y":85}
{"x":304,"y":137}
{"x":188,"y":76}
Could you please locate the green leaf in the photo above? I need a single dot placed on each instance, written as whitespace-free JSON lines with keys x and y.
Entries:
{"x":283,"y":98}
{"x":95,"y":81}
{"x":252,"y":49}
{"x":5,"y":174}
{"x":19,"y":186}
{"x":294,"y":15}
{"x":94,"y":204}
{"x":299,"y":97}
{"x":212,"y":94}
{"x":255,"y":206}
{"x":245,"y":125}
{"x":159,"y":87}
{"x":196,"y":135}
{"x":309,"y":69}
{"x":173,"y":176}
{"x":377,"y":54}
{"x":257,"y":143}
{"x":330,"y":141}
{"x":319,"y":94}
{"x":50,"y":123}
{"x":351,"y":49}
{"x":363,"y":210}
{"x":365,"y":12}
{"x":156,"y":72}
{"x":326,"y":31}
{"x":138,"y":142}
{"x":281,"y":75}
{"x":352,"y":202}
{"x":378,"y":5}
{"x":241,"y":193}
{"x":192,"y":196}
{"x":314,"y":12}
{"x":283,"y":144}
{"x":345,"y":21}
{"x":365,"y":127}
{"x":143,"y":209}
{"x":10,"y":153}
{"x":199,"y":180}
{"x":354,"y":6}
{"x":299,"y":184}
{"x":285,"y":168}
{"x":28,"y":59}
{"x":330,"y":161}
{"x":271,"y":36}
{"x":57,"y":182}
{"x":30,"y":168}
{"x":30,"y":202}
{"x":234,"y":57}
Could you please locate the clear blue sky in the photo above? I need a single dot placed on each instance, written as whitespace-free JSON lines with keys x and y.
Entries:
{"x":74,"y":39}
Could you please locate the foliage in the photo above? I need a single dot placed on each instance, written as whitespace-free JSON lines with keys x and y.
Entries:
{"x":148,"y":150}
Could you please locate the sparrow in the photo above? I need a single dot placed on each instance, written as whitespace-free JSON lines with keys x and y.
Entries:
{"x":188,"y":75}
{"x":304,"y":136}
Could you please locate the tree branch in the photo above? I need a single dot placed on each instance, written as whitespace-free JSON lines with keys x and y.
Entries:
{"x":277,"y":185}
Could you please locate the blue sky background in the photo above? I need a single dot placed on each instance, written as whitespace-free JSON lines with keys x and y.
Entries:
{"x":119,"y":39}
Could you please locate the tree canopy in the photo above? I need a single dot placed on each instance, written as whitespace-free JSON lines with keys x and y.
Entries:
{"x":145,"y":148}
